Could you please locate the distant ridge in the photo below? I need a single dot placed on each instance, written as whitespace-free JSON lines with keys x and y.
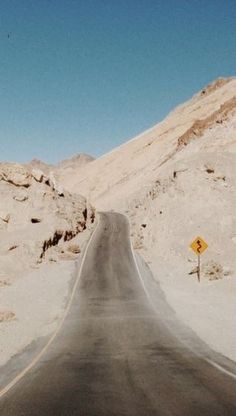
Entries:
{"x":78,"y":160}
{"x":75,"y":162}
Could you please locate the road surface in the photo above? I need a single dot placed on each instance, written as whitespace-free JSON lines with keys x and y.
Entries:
{"x":113,"y":355}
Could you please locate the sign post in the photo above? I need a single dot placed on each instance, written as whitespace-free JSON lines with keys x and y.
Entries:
{"x":199,"y":246}
{"x":199,"y":267}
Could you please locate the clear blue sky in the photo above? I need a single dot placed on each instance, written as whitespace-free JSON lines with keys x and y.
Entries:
{"x":86,"y":75}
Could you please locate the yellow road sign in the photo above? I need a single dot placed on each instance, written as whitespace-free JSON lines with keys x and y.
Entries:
{"x":198,"y":245}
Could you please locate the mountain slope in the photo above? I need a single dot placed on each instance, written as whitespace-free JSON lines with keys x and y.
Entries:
{"x":177,"y":181}
{"x":137,"y":158}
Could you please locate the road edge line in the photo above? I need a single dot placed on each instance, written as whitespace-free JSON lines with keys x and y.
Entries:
{"x":220,"y":368}
{"x":138,"y":271}
{"x":12,"y":383}
{"x":213,"y":363}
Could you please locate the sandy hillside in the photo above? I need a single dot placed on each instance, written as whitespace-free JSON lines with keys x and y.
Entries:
{"x":177,"y":181}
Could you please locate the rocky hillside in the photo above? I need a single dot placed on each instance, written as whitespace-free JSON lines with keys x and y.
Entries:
{"x":36,"y":216}
{"x":176,"y":180}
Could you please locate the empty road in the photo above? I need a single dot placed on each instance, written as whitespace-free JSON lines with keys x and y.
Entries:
{"x":114,"y":355}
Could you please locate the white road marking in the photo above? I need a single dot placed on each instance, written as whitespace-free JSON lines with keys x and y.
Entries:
{"x":139,"y":274}
{"x":222,"y":369}
{"x":213,"y":363}
{"x":45,"y":348}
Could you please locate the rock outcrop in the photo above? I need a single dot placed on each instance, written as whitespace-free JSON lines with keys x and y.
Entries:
{"x":36,"y":215}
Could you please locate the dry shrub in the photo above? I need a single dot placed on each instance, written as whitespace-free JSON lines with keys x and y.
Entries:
{"x":74,"y":248}
{"x":213,"y":271}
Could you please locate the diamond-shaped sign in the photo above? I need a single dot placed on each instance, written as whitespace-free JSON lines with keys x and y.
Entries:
{"x":198,"y":245}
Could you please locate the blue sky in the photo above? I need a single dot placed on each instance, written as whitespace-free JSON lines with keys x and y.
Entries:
{"x":86,"y":75}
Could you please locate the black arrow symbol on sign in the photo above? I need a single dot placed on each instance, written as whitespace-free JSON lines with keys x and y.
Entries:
{"x":199,"y":246}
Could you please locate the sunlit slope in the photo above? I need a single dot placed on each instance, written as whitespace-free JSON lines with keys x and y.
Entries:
{"x":111,"y":179}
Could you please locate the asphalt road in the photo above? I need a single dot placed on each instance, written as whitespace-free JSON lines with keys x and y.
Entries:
{"x":114,"y":356}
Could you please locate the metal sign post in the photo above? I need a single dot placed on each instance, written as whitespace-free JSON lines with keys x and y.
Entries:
{"x":198,"y":268}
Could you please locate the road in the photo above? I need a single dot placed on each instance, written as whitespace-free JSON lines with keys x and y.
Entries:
{"x":114,"y":355}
